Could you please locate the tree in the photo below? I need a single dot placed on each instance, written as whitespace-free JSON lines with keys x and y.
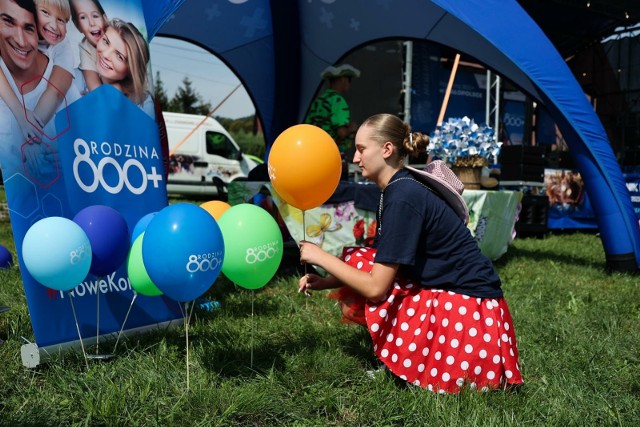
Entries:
{"x":187,"y":100}
{"x":160,"y":93}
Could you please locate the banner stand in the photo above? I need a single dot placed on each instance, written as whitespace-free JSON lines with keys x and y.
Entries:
{"x":32,"y":355}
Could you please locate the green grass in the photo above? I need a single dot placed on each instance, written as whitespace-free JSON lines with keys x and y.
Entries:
{"x":289,"y":361}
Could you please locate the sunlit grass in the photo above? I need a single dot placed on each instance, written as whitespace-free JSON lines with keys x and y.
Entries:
{"x":274,"y":357}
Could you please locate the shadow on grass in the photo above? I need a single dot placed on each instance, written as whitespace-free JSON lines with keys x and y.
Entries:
{"x":232,"y":359}
{"x":231,"y":354}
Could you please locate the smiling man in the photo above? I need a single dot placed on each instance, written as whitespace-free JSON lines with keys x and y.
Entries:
{"x":19,"y":43}
{"x":24,"y":67}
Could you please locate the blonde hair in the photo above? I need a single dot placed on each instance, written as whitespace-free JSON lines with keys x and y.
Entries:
{"x":387,"y":127}
{"x":62,"y":5}
{"x":136,"y":83}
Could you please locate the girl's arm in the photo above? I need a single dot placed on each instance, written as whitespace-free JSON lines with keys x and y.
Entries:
{"x":372,"y":285}
{"x":59,"y":83}
{"x":17,"y":109}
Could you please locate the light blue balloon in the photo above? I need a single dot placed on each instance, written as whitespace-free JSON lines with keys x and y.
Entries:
{"x":57,"y":253}
{"x":141,"y":226}
{"x":183,"y":251}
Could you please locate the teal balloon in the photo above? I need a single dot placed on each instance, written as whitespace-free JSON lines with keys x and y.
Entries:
{"x":57,"y":253}
{"x":252,"y":245}
{"x":138,"y":276}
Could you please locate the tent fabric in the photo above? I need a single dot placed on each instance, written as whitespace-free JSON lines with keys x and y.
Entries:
{"x":278,"y":49}
{"x":583,"y":130}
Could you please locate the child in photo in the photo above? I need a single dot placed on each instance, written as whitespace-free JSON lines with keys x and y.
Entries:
{"x":91,"y":20}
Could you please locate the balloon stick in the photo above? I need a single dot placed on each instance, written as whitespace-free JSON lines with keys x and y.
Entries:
{"x":186,"y":335}
{"x":304,"y":237}
{"x":253,"y":326}
{"x":135,"y":295}
{"x":73,"y":309}
{"x":98,"y":317}
{"x":187,"y":317}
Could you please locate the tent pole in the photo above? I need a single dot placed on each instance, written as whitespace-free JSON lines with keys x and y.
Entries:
{"x":447,"y":93}
{"x":188,"y":135}
{"x":408,"y":70}
{"x":487,"y":110}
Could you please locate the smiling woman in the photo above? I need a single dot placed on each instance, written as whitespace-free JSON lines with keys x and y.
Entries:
{"x":122,"y":55}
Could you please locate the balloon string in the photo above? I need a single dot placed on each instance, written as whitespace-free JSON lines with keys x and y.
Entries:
{"x":73,"y":309}
{"x":186,"y":333}
{"x":191,"y":311}
{"x":98,"y":318}
{"x":181,"y":310}
{"x":253,"y":326}
{"x":135,"y":295}
{"x":304,"y":237}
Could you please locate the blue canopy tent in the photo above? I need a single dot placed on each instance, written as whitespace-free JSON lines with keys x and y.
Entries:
{"x":278,"y":49}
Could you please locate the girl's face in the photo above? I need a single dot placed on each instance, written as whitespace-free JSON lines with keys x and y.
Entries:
{"x":369,"y":154}
{"x":52,"y":25}
{"x":91,"y":23}
{"x":112,"y":57}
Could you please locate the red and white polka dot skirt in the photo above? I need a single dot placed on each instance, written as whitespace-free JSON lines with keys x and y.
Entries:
{"x":439,"y":340}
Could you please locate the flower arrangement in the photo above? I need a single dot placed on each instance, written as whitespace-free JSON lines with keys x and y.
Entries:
{"x":462,"y":143}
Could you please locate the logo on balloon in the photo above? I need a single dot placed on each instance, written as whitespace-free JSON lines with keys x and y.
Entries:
{"x":78,"y":255}
{"x":204,"y":262}
{"x":261,"y":253}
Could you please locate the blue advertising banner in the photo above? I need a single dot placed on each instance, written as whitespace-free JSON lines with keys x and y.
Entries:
{"x":78,"y":129}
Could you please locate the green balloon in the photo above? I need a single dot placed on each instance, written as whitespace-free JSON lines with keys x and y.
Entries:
{"x":138,"y":277}
{"x":252,"y":245}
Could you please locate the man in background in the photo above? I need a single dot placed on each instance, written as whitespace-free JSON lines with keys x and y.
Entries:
{"x":330,"y":110}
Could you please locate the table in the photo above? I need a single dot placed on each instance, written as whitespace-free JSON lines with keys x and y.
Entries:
{"x":348,"y":217}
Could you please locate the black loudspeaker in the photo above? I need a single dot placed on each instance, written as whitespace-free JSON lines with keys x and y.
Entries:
{"x":522,"y":163}
{"x":533,"y":216}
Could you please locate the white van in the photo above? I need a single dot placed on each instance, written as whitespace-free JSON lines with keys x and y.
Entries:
{"x":206,"y":161}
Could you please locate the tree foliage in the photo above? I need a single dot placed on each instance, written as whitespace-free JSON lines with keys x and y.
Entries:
{"x":187,"y":100}
{"x":160,"y":93}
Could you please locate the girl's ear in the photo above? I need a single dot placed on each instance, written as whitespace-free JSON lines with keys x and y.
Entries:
{"x":388,"y":149}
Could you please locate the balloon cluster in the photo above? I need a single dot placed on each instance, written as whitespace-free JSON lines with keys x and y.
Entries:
{"x":178,"y":252}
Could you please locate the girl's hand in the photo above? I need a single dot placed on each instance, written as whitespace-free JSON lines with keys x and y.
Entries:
{"x":310,"y":253}
{"x":310,"y":282}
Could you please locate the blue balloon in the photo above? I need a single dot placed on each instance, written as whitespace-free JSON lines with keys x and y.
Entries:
{"x":141,"y":226}
{"x":183,"y":251}
{"x":108,"y":234}
{"x":57,"y":253}
{"x":6,"y":259}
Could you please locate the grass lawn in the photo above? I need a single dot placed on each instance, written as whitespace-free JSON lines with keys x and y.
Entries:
{"x":274,"y":357}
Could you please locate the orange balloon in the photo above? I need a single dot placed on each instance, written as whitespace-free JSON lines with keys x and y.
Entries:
{"x":216,"y":208}
{"x":304,"y":166}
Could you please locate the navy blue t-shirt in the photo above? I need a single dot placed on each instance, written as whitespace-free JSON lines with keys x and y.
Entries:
{"x":423,"y":234}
